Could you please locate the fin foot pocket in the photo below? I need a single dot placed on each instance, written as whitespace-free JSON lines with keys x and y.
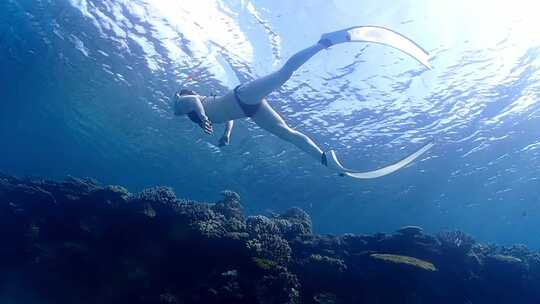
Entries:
{"x":336,"y":37}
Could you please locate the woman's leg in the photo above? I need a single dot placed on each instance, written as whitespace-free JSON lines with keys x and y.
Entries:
{"x":270,"y":121}
{"x":253,"y":92}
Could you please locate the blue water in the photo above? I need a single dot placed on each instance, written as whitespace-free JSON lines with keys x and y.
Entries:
{"x":86,"y":86}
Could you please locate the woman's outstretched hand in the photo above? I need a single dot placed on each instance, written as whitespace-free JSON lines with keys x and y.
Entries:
{"x":206,"y":125}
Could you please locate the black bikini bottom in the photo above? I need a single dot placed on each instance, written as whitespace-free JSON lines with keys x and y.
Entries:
{"x":249,"y":109}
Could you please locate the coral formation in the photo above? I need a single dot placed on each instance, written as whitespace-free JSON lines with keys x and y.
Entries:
{"x":405,"y":260}
{"x":456,"y":242}
{"x":76,"y":241}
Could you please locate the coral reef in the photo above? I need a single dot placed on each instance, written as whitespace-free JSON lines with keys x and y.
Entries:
{"x":404,"y":260}
{"x":76,"y":241}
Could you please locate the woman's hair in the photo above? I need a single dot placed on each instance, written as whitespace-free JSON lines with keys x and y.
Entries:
{"x":186,"y":92}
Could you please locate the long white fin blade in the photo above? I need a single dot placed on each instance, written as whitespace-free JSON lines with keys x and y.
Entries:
{"x":391,"y":168}
{"x":393,"y":39}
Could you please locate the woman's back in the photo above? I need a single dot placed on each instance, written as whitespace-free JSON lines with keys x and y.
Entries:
{"x":220,"y":109}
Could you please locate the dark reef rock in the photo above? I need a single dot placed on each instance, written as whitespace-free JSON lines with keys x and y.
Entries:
{"x":76,"y":241}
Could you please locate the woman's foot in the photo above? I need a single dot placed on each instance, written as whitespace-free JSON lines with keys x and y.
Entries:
{"x":336,"y":37}
{"x":329,"y":159}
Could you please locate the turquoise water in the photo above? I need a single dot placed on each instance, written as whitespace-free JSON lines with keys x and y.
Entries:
{"x":86,"y":89}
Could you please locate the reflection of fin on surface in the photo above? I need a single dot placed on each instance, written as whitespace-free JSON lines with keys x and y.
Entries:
{"x":335,"y":164}
{"x":381,"y":35}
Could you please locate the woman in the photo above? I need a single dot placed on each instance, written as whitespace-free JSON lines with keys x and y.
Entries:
{"x":248,"y":100}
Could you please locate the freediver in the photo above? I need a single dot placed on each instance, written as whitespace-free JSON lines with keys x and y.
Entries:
{"x":248,"y":99}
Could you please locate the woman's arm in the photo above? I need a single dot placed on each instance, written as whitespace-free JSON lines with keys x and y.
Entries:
{"x":188,"y":103}
{"x":228,"y":128}
{"x":206,"y":125}
{"x":182,"y":105}
{"x":225,"y":139}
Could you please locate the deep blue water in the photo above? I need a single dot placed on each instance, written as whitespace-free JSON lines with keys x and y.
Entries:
{"x":86,"y":86}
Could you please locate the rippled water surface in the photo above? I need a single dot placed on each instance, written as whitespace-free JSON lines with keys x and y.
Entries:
{"x":86,"y":87}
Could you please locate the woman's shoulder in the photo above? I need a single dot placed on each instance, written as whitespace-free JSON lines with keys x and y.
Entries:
{"x":209,"y":98}
{"x":184,"y":104}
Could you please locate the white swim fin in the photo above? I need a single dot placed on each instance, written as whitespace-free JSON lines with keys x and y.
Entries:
{"x":333,"y":163}
{"x":381,"y":35}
